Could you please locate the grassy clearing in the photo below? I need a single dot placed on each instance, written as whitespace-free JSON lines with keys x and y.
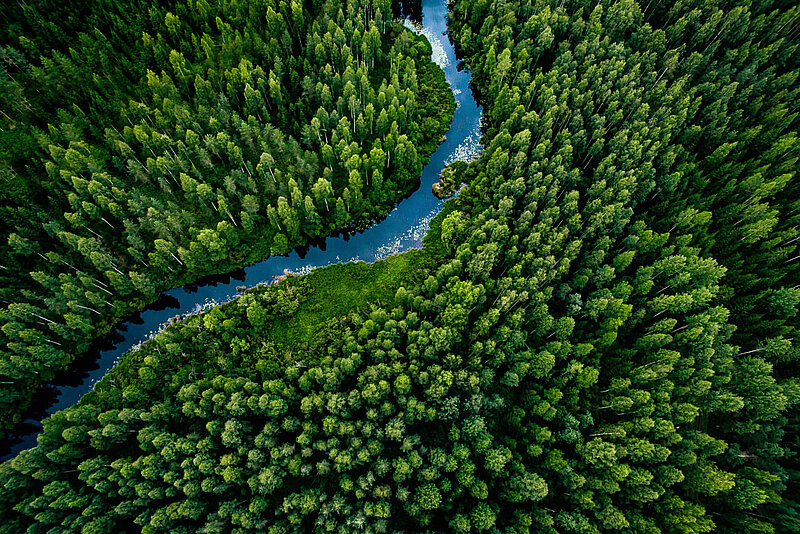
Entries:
{"x":339,"y":290}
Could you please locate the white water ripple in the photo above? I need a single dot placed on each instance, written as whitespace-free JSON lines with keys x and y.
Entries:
{"x":468,"y":150}
{"x":438,"y":56}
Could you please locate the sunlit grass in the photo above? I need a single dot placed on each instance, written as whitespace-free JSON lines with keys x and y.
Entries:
{"x":345,"y":288}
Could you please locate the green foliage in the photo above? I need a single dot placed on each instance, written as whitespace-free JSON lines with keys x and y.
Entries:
{"x":450,"y":179}
{"x":600,"y":339}
{"x":157,"y":144}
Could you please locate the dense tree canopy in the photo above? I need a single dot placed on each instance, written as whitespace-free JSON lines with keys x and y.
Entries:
{"x":606,"y":342}
{"x":145,"y":145}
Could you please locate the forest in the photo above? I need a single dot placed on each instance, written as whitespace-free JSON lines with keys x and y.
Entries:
{"x":185,"y":143}
{"x":598,"y":335}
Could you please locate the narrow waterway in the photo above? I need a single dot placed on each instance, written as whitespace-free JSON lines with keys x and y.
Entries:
{"x":402,"y":230}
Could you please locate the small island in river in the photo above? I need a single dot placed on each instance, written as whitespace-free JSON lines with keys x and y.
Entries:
{"x":450,"y":180}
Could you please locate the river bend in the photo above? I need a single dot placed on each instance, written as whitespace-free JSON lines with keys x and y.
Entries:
{"x":402,"y":230}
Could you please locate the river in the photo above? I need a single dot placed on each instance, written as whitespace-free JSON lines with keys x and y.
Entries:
{"x":401,"y":230}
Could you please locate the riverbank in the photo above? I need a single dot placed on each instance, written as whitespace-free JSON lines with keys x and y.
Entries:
{"x":402,"y":229}
{"x":304,"y":317}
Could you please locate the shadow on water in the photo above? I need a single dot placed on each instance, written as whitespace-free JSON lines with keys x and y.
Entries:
{"x":402,"y":229}
{"x":209,"y":280}
{"x":407,"y":9}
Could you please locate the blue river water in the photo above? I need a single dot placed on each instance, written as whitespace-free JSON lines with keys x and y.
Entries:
{"x":402,"y":230}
